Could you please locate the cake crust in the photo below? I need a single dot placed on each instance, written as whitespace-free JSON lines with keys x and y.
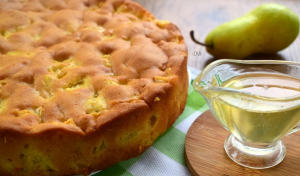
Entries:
{"x":85,"y":84}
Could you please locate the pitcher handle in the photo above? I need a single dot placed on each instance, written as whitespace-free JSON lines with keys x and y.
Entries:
{"x":296,"y":128}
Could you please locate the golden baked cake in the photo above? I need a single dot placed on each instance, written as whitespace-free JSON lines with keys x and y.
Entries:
{"x":85,"y":84}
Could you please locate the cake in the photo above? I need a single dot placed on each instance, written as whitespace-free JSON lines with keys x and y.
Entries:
{"x":85,"y":84}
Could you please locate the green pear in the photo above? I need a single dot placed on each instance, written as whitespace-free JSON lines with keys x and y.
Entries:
{"x":268,"y":28}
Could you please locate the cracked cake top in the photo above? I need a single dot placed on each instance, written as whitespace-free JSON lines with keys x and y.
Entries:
{"x":64,"y":64}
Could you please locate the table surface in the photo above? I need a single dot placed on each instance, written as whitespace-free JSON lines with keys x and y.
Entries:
{"x":202,"y":16}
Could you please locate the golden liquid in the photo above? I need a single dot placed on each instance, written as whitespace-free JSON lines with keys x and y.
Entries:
{"x":253,"y":118}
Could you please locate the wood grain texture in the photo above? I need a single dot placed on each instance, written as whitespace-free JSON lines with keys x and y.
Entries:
{"x":202,"y":16}
{"x":205,"y":153}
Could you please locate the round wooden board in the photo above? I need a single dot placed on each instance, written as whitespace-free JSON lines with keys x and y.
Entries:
{"x":205,"y":154}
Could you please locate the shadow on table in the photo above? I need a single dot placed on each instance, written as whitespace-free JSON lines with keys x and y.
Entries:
{"x":276,"y":56}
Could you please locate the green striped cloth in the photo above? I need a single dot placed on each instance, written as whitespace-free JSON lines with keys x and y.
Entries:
{"x":166,"y":155}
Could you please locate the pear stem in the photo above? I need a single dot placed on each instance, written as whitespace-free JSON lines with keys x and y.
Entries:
{"x":196,"y":41}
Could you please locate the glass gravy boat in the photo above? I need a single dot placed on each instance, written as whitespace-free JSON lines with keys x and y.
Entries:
{"x":258,"y":102}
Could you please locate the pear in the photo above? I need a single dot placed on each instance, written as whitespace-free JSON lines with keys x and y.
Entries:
{"x":268,"y":28}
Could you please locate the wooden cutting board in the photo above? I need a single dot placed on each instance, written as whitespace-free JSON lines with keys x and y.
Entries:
{"x":205,"y":154}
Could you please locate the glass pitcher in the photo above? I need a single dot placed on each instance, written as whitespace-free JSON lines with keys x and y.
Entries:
{"x":258,"y":102}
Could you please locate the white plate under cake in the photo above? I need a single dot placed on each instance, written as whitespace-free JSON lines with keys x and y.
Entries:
{"x":85,"y":84}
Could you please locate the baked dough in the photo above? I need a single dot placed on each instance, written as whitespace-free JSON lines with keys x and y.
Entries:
{"x":85,"y":84}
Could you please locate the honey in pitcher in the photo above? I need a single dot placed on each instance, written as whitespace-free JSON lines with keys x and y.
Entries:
{"x":268,"y":110}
